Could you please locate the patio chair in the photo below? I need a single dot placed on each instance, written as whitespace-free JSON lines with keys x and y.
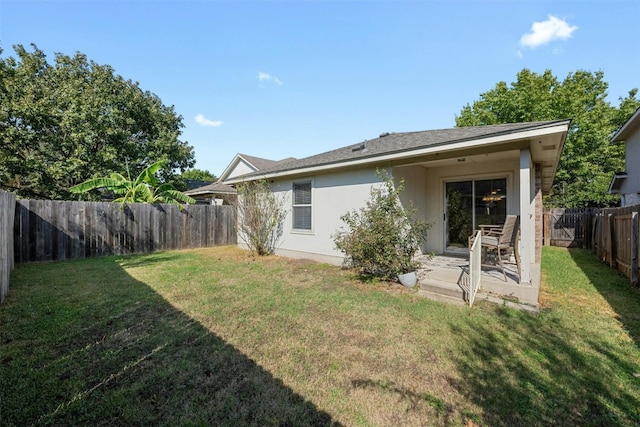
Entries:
{"x":500,"y":240}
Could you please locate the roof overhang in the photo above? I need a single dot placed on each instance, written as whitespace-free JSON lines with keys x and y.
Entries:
{"x":211,"y":189}
{"x":544,"y":143}
{"x":632,"y":125}
{"x":617,"y":182}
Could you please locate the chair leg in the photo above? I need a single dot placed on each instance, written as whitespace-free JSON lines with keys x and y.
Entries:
{"x":501,"y":264}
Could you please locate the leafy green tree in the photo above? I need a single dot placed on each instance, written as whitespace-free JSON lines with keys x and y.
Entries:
{"x":146,"y":188}
{"x":67,"y":122}
{"x":200,"y":174}
{"x":180,"y":181}
{"x":588,"y":161}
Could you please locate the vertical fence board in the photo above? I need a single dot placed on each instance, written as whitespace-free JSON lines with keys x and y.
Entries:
{"x":7,"y":229}
{"x":635,"y":245}
{"x":612,"y":234}
{"x":58,"y":230}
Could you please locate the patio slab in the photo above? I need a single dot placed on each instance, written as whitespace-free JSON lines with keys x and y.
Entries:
{"x":442,"y":275}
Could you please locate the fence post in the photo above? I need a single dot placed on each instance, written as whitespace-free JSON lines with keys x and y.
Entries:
{"x":634,"y":248}
{"x":595,"y":243}
{"x":586,"y":226}
{"x":612,"y":241}
{"x":546,"y":227}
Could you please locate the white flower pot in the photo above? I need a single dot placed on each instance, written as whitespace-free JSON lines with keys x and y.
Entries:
{"x":408,"y":279}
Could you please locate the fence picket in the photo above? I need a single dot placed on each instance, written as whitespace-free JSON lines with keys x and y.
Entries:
{"x":614,"y":235}
{"x":58,"y":230}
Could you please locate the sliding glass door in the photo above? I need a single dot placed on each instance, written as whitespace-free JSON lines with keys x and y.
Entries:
{"x":472,"y":203}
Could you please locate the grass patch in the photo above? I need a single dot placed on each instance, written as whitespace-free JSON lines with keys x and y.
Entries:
{"x":218,"y":337}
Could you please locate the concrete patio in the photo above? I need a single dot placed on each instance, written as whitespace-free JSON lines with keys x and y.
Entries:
{"x":443,"y":277}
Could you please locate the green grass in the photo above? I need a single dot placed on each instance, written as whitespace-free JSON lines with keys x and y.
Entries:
{"x":218,"y":337}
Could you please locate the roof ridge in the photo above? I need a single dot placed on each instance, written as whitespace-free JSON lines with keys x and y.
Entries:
{"x":398,"y":142}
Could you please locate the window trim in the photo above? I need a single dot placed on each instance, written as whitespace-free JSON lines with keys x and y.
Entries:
{"x":294,"y":206}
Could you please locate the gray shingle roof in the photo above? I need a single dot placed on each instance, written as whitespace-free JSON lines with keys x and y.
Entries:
{"x":261,"y":163}
{"x":401,"y":142}
{"x":214,"y":188}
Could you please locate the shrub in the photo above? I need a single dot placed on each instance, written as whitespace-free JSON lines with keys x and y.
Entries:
{"x":261,"y":216}
{"x":382,"y":238}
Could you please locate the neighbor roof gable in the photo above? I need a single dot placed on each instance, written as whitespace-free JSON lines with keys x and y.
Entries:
{"x":254,"y":163}
{"x":628,"y":128}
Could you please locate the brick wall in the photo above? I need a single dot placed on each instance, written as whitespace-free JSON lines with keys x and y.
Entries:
{"x":538,"y":212}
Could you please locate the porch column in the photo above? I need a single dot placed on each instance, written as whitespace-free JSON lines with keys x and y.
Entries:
{"x":527,"y":216}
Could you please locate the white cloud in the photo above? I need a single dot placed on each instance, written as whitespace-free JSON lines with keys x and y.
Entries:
{"x":266,"y":77}
{"x":547,"y":31}
{"x":203,"y":121}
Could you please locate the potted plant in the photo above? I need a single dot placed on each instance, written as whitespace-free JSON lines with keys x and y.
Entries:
{"x":412,"y":232}
{"x":383,"y":237}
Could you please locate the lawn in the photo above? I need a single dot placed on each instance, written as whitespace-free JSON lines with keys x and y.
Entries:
{"x":219,"y":337}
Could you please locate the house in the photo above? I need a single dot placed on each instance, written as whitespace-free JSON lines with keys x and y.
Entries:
{"x":215,"y":193}
{"x":627,"y":183}
{"x":243,"y":164}
{"x":461,"y":178}
{"x":220,"y":193}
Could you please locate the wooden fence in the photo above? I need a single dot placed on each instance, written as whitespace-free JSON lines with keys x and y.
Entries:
{"x":568,"y":227}
{"x":612,"y":234}
{"x":7,"y":202}
{"x":615,"y":239}
{"x":49,"y":230}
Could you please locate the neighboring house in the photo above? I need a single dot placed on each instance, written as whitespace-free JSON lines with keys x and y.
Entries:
{"x":215,"y":193}
{"x":627,"y":183}
{"x":220,"y":193}
{"x":461,"y":178}
{"x":243,"y":165}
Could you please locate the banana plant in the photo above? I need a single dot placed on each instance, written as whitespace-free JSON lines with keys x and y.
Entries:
{"x":146,"y":188}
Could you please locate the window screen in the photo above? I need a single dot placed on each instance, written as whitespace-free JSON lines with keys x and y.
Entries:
{"x":302,"y":206}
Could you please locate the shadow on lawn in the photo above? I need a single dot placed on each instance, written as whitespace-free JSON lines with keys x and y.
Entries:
{"x":542,"y":373}
{"x":127,"y":357}
{"x":623,"y":297}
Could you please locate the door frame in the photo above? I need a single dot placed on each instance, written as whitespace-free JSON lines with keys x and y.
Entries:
{"x":511,"y":198}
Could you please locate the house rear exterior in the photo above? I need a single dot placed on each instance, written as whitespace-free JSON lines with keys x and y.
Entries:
{"x":459,"y":178}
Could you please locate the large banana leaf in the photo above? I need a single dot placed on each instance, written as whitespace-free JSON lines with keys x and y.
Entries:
{"x":144,"y":189}
{"x":94,"y":184}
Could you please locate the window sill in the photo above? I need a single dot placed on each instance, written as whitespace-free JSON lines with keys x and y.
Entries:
{"x":302,"y":231}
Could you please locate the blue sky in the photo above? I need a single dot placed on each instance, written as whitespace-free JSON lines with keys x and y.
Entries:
{"x":280,"y":79}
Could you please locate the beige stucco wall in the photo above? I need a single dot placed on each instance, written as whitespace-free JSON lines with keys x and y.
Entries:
{"x":337,"y":193}
{"x":632,"y":154}
{"x":426,"y":186}
{"x":332,"y":196}
{"x":242,"y":168}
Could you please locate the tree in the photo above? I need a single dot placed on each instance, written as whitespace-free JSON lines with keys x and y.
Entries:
{"x":67,"y":122}
{"x":588,"y":161}
{"x":261,"y":215}
{"x":146,"y":188}
{"x":199,"y":174}
{"x":180,"y":181}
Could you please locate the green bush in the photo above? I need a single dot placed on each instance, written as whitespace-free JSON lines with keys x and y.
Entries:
{"x":382,"y":238}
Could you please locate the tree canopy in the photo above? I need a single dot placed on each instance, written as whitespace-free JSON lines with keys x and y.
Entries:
{"x":588,"y":160}
{"x":64,"y":123}
{"x":199,"y":174}
{"x":195,"y":175}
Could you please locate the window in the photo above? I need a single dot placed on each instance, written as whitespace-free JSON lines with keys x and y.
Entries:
{"x":302,"y":206}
